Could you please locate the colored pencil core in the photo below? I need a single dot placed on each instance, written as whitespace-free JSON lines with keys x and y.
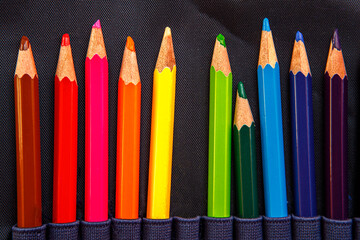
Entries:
{"x":299,"y":37}
{"x":97,"y":24}
{"x":24,"y":44}
{"x":130,"y":44}
{"x":266,"y":25}
{"x":336,"y":40}
{"x":241,"y":90}
{"x":65,"y":41}
{"x":221,"y":39}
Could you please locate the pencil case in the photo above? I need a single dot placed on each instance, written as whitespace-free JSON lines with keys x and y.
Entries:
{"x":126,"y":229}
{"x":36,"y":233}
{"x":95,"y":230}
{"x":63,"y":230}
{"x":291,"y":227}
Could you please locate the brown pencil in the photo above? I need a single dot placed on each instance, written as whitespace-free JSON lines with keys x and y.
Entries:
{"x":27,"y":122}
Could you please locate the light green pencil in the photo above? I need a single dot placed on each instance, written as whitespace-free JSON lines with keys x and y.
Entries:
{"x":220,"y":126}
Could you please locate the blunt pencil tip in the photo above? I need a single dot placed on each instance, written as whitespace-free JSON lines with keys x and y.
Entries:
{"x":221,"y":39}
{"x":266,"y":25}
{"x":167,"y":32}
{"x":130,"y":44}
{"x":241,"y":90}
{"x":97,"y":24}
{"x":336,"y":40}
{"x":299,"y":37}
{"x":65,"y":41}
{"x":24,"y":43}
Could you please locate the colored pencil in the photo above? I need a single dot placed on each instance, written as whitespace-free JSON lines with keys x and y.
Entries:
{"x":220,"y":132}
{"x":162,"y":126}
{"x":96,"y":128}
{"x":65,"y":136}
{"x":27,"y":123}
{"x":302,"y":131}
{"x":336,"y":132}
{"x":271,"y":126}
{"x":244,"y":141}
{"x":128,"y":136}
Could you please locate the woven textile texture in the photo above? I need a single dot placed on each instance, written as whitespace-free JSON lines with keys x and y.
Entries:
{"x":195,"y":25}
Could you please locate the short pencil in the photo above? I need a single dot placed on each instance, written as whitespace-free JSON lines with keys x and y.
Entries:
{"x":244,"y":143}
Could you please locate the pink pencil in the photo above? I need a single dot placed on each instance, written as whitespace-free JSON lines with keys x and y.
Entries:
{"x":96,"y":128}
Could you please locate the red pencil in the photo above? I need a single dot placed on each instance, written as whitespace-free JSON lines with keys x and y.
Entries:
{"x":96,"y":128}
{"x":65,"y":136}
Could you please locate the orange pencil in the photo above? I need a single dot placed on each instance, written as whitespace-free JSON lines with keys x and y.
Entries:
{"x":128,"y":136}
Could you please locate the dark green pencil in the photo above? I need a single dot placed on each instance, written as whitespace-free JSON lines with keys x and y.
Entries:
{"x":245,"y":157}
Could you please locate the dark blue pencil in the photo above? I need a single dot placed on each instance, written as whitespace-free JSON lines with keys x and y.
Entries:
{"x":302,"y":131}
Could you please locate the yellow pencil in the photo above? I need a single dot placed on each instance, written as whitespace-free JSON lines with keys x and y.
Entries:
{"x":162,"y":126}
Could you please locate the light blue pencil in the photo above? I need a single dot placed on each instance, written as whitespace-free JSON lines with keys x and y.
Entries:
{"x":271,"y":127}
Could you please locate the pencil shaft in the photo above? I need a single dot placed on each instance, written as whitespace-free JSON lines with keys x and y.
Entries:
{"x":27,"y":122}
{"x":128,"y":148}
{"x":336,"y":146}
{"x":96,"y":139}
{"x":65,"y":150}
{"x":245,"y":171}
{"x":272,"y":141}
{"x":219,"y":144}
{"x":161,"y":143}
{"x":303,"y":144}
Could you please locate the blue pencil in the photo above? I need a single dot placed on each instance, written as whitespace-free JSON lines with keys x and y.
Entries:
{"x":302,"y":131}
{"x":271,"y":127}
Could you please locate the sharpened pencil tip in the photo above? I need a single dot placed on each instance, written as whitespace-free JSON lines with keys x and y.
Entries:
{"x":24,"y":43}
{"x":221,"y":39}
{"x":130,"y":44}
{"x":167,"y":32}
{"x":336,"y":40}
{"x":65,"y":41}
{"x":299,"y":37}
{"x":241,"y":90}
{"x":266,"y":25}
{"x":97,"y":24}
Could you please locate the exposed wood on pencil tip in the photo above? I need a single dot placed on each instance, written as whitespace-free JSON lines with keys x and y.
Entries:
{"x":335,"y":62}
{"x":220,"y":59}
{"x":65,"y":67}
{"x":299,"y":60}
{"x":96,"y":42}
{"x":242,"y":115}
{"x":129,"y":71}
{"x":267,"y":53}
{"x":25,"y":62}
{"x":166,"y":57}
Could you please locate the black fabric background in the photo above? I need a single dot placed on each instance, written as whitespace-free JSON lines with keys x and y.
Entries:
{"x":195,"y":25}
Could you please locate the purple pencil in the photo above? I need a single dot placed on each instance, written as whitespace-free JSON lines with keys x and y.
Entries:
{"x":336,"y":132}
